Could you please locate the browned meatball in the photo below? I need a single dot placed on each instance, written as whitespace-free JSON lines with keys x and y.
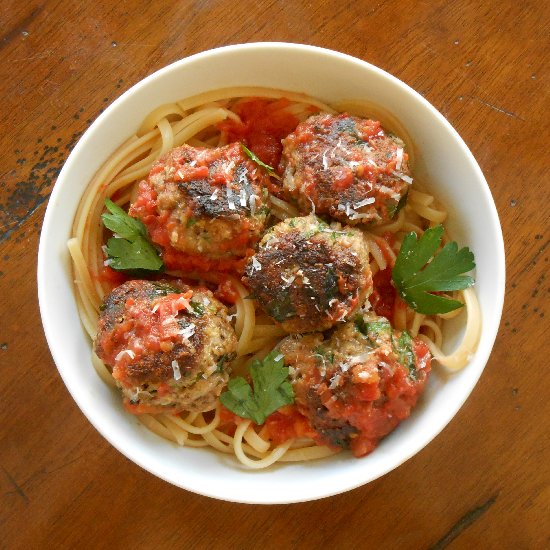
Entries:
{"x":346,"y":167}
{"x":308,"y":275}
{"x":168,"y":345}
{"x":356,"y":386}
{"x":205,"y":207}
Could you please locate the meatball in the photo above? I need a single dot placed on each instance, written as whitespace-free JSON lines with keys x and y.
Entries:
{"x":358,"y":384}
{"x":346,"y":167}
{"x":308,"y":275}
{"x":168,"y":345}
{"x":205,"y":207}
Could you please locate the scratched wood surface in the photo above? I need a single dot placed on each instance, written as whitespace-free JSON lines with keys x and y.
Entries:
{"x":484,"y":482}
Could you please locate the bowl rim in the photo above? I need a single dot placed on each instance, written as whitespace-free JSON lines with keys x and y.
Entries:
{"x":490,"y":327}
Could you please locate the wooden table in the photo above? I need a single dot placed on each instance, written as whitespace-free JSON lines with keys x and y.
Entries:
{"x":484,"y":482}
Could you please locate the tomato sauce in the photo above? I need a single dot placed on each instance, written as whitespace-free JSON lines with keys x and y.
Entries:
{"x":264,"y":123}
{"x":148,"y":327}
{"x":111,"y":277}
{"x":287,"y":423}
{"x":383,"y":296}
{"x":145,"y":207}
{"x":375,"y":413}
{"x":284,"y":424}
{"x":226,"y":292}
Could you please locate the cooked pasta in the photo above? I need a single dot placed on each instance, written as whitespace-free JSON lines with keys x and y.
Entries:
{"x":196,"y":121}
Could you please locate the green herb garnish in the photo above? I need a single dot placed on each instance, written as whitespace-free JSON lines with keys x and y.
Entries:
{"x":224,"y":360}
{"x":330,"y":285}
{"x":374,"y":328}
{"x":131,"y":249}
{"x":271,"y":390}
{"x":324,"y":354}
{"x":281,"y":308}
{"x":197,"y":307}
{"x":420,"y":270}
{"x":270,"y":170}
{"x":403,"y":348}
{"x":394,"y":208}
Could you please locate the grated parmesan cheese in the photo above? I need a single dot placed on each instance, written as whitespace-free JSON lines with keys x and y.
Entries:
{"x":335,"y":381}
{"x":399,"y":158}
{"x":188,"y":331}
{"x":360,"y":358}
{"x":364,"y":202}
{"x":288,"y":281}
{"x":325,"y":162}
{"x":124,"y":352}
{"x":230,"y":201}
{"x":176,"y":369}
{"x":256,"y":265}
{"x":405,"y":178}
{"x":252,"y":201}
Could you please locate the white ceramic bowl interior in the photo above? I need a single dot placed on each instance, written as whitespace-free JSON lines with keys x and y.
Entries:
{"x":330,"y":76}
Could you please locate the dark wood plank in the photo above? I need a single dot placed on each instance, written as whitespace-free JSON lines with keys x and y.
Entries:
{"x":484,"y":481}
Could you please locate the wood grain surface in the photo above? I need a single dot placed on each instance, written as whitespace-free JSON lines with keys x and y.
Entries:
{"x":485,"y":481}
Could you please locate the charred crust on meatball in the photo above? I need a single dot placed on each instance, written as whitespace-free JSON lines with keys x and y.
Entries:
{"x":166,"y":353}
{"x":204,"y":202}
{"x":307,"y":275}
{"x":346,"y":167}
{"x":112,"y":308}
{"x":332,"y":431}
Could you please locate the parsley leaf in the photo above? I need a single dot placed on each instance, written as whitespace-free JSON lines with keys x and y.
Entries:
{"x":270,"y":170}
{"x":272,"y":390}
{"x":131,"y":249}
{"x":420,"y":270}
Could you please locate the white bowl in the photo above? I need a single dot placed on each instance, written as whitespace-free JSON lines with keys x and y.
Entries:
{"x":331,"y":77}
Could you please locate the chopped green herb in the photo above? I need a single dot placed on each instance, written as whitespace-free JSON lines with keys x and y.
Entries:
{"x":224,"y":360}
{"x":373,"y":329}
{"x":197,"y":307}
{"x":270,"y":170}
{"x":271,"y":390}
{"x":281,"y":308}
{"x":403,"y":348}
{"x":346,"y":125}
{"x":420,"y":270}
{"x":191,"y":222}
{"x":324,"y":354}
{"x":130,"y":249}
{"x":395,"y":207}
{"x":163,"y":289}
{"x":330,"y":285}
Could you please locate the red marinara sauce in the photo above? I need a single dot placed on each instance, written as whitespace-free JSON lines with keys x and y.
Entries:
{"x":287,"y":423}
{"x":284,"y":424}
{"x":383,"y":296}
{"x":264,"y":123}
{"x":376,"y":412}
{"x":384,"y":293}
{"x":147,"y":327}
